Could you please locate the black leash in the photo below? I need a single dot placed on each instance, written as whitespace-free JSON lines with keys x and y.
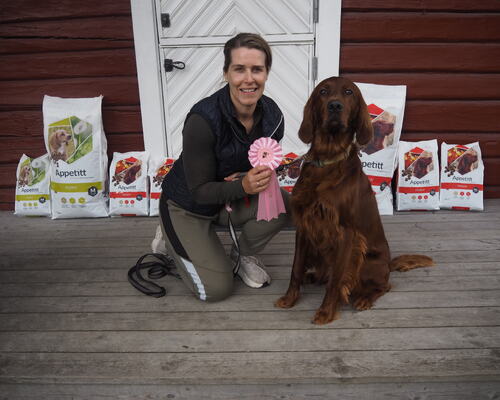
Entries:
{"x":164,"y":265}
{"x":234,"y":237}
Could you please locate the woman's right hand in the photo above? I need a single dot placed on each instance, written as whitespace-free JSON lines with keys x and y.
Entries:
{"x":257,"y":179}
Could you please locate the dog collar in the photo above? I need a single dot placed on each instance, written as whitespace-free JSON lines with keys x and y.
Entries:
{"x":323,"y":163}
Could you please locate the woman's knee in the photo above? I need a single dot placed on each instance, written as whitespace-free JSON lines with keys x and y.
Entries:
{"x":218,"y":290}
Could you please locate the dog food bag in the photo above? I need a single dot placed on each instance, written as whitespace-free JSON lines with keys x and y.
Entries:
{"x":75,"y":141}
{"x":386,"y":105}
{"x":129,"y":184}
{"x":158,"y":169}
{"x":33,"y":187}
{"x":288,"y":172}
{"x":462,"y":174}
{"x":418,"y":175}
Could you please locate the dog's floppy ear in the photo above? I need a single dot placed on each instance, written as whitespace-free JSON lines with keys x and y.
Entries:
{"x":363,"y":123}
{"x":308,"y":125}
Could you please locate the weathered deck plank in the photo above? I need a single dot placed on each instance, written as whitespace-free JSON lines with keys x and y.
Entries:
{"x":238,"y":302}
{"x":230,"y":341}
{"x":71,"y":327}
{"x":249,"y":320}
{"x":344,"y":391}
{"x":279,"y":286}
{"x":252,"y":367}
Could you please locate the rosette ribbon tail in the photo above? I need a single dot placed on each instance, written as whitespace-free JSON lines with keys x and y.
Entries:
{"x":271,"y":203}
{"x":266,"y":151}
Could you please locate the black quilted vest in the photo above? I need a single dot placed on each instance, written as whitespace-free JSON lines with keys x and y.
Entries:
{"x":231,"y":146}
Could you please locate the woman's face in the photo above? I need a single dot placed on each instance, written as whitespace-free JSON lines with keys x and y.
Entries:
{"x":247,"y":76}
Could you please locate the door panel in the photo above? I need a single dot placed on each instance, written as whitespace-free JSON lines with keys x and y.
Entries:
{"x":202,"y":18}
{"x":196,"y":36}
{"x":289,"y":84}
{"x":183,"y":88}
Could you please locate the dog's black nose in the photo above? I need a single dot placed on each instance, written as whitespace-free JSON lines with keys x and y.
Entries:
{"x":335,"y":106}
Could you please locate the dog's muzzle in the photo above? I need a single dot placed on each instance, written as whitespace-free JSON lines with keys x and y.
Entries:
{"x":335,"y":107}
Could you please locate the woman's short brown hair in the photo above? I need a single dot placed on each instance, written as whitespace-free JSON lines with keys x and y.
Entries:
{"x":250,"y":41}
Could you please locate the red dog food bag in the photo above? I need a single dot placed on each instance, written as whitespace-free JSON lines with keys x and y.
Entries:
{"x":386,"y":105}
{"x":129,"y":184}
{"x":418,"y":176}
{"x":462,"y":174}
{"x":288,"y":172}
{"x":158,"y":168}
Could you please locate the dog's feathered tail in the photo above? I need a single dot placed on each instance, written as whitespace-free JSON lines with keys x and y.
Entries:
{"x":410,"y":261}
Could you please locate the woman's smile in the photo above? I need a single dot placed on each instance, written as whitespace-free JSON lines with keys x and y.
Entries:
{"x":246,"y":75}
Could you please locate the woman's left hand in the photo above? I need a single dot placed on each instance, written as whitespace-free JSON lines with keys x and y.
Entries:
{"x":234,"y":177}
{"x":257,"y":179}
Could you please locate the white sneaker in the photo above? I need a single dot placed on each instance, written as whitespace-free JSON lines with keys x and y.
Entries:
{"x":158,"y":245}
{"x":252,"y":270}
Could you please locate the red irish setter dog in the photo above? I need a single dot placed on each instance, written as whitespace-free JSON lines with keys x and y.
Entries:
{"x":340,"y":240}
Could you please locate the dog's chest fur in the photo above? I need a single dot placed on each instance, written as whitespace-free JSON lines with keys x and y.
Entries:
{"x":316,"y":198}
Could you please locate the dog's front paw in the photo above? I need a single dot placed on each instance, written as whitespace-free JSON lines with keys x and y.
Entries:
{"x":323,"y":317}
{"x":286,"y":301}
{"x":345,"y":292}
{"x":363,"y":304}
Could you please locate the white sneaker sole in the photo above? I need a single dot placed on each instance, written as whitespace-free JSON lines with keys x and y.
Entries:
{"x":157,"y":245}
{"x":244,"y":277}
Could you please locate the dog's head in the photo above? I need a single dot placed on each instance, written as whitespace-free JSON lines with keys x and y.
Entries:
{"x":62,"y":136}
{"x":336,"y":113}
{"x":469,"y":158}
{"x":421,"y":167}
{"x":24,"y":174}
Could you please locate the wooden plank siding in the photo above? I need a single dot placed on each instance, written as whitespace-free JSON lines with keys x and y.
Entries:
{"x":64,"y":48}
{"x":447,"y":52}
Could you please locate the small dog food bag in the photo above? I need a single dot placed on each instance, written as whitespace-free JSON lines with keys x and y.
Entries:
{"x":418,"y":175}
{"x":158,"y":169}
{"x":33,"y":187}
{"x":386,"y":105}
{"x":462,"y":174}
{"x":288,"y":172}
{"x":128,"y":189}
{"x":75,"y":141}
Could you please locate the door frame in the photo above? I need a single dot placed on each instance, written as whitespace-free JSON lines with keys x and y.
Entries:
{"x":148,"y":61}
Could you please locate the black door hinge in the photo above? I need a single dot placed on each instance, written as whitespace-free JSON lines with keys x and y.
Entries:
{"x":165,"y":20}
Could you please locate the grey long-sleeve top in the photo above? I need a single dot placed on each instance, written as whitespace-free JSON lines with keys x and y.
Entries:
{"x":200,"y":162}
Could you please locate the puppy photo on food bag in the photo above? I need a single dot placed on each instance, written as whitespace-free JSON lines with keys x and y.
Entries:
{"x":61,"y":143}
{"x":25,"y":175}
{"x":340,"y":239}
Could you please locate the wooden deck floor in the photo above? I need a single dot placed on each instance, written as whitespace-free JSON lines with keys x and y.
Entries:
{"x":71,"y":326}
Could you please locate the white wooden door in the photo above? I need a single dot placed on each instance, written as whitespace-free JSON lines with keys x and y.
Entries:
{"x":196,"y":35}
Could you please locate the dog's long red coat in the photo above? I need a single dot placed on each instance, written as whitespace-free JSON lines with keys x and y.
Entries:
{"x":340,"y":239}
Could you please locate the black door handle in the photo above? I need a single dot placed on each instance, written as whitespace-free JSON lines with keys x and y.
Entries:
{"x":170,"y":65}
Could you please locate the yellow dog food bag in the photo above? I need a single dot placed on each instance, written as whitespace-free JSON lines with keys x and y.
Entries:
{"x":75,"y":140}
{"x":32,"y":187}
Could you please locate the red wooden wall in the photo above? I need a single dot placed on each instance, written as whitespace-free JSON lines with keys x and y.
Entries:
{"x":65,"y":48}
{"x":446,"y":51}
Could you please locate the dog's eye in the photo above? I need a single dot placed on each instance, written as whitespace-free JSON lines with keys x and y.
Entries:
{"x":348,"y":91}
{"x":323,"y":92}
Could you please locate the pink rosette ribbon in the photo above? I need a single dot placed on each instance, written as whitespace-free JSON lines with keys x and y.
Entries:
{"x":267,"y":151}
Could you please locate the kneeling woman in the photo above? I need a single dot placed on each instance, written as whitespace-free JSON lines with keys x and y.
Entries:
{"x":213,"y":170}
